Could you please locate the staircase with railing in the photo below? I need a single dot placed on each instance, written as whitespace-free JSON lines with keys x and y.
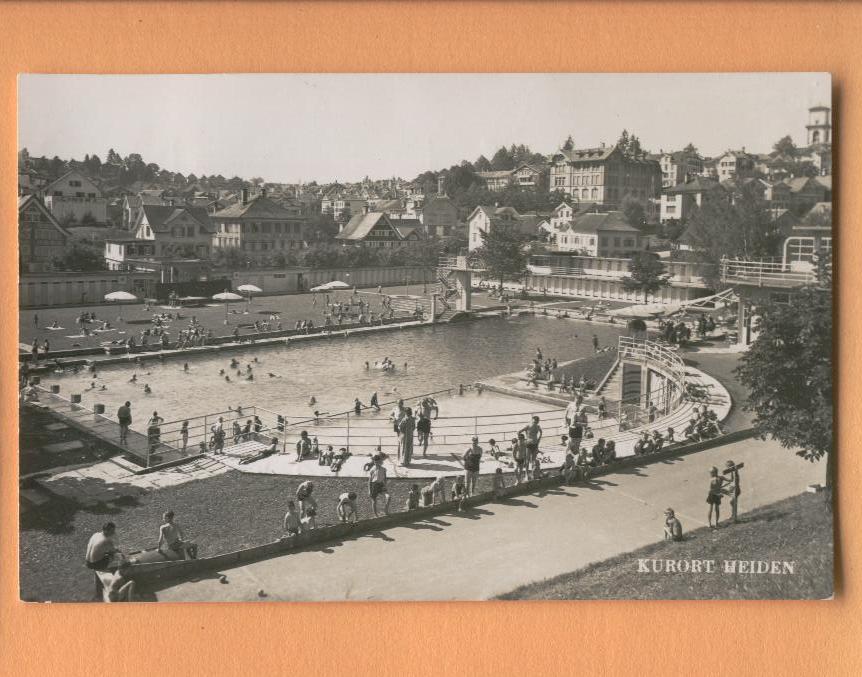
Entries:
{"x":766,"y":273}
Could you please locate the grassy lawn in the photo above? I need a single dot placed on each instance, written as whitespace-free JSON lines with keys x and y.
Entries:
{"x":224,"y":513}
{"x":797,"y":529}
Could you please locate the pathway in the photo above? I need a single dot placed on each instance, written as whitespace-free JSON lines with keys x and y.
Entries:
{"x":495,"y":548}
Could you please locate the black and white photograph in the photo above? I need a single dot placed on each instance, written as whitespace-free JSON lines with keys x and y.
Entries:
{"x":425,"y":337}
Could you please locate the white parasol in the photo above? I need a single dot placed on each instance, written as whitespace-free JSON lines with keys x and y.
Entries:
{"x":227,"y":297}
{"x":120,"y":296}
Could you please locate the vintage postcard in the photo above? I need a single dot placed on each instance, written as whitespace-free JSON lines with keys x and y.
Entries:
{"x":425,"y":337}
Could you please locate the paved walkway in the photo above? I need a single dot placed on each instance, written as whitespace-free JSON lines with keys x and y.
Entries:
{"x":495,"y":548}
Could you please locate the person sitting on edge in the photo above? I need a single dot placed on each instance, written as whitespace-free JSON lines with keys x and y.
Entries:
{"x":346,"y":507}
{"x":690,"y":432}
{"x":597,"y":452}
{"x":459,"y":491}
{"x":121,"y":588}
{"x":648,"y":444}
{"x":431,"y":492}
{"x":291,"y":524}
{"x":101,"y":547}
{"x":583,"y":464}
{"x":303,"y":446}
{"x":610,"y":455}
{"x":269,"y":451}
{"x":657,"y":440}
{"x":569,"y":469}
{"x":413,"y":497}
{"x":669,"y":436}
{"x":672,"y":526}
{"x":536,"y":472}
{"x":171,"y":541}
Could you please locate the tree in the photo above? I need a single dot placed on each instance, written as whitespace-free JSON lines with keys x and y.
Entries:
{"x":623,"y":142}
{"x":635,"y":149}
{"x":690,"y":148}
{"x":569,"y":144}
{"x":113,"y":157}
{"x":634,"y":211}
{"x":647,"y":273}
{"x":502,"y":252}
{"x":740,"y":230}
{"x":81,"y":256}
{"x":785,"y":146}
{"x":788,"y":374}
{"x":482,"y":164}
{"x":502,"y":160}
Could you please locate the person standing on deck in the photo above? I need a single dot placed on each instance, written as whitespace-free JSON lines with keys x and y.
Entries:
{"x":405,"y":436}
{"x":124,"y":417}
{"x":533,"y":434}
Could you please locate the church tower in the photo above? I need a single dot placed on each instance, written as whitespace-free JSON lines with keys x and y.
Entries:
{"x":819,"y":125}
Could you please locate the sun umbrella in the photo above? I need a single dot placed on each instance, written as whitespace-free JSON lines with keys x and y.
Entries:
{"x":337,"y":284}
{"x":249,"y":289}
{"x":646,"y":310}
{"x":227,"y":297}
{"x":120,"y":296}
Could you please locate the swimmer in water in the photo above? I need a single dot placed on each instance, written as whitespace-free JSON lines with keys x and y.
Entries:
{"x":311,"y":402}
{"x":250,"y":377}
{"x":134,"y":378}
{"x":271,"y":375}
{"x":368,"y":366}
{"x":186,"y":366}
{"x":254,"y":359}
{"x":147,"y":388}
{"x":233,"y":362}
{"x":104,"y":387}
{"x":92,"y":385}
{"x":227,"y":378}
{"x":221,"y":372}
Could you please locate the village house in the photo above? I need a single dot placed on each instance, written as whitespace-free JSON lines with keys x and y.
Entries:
{"x":733,"y":163}
{"x":176,"y":231}
{"x":440,"y":216}
{"x":484,"y":219}
{"x":259,"y":225}
{"x":678,"y":167}
{"x":73,"y":198}
{"x":495,"y":180}
{"x":604,"y":175}
{"x":375,"y":229}
{"x":41,"y":238}
{"x":599,"y":234}
{"x":678,"y":202}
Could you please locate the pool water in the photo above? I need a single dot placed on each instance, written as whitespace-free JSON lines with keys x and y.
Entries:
{"x":333,"y":370}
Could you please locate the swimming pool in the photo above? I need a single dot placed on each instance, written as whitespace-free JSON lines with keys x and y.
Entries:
{"x":333,"y":370}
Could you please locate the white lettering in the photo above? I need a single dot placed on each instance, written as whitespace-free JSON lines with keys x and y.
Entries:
{"x":730,"y":566}
{"x":710,"y":563}
{"x":642,"y":566}
{"x":695,"y":566}
{"x":788,"y":567}
{"x":670,"y":566}
{"x":762,"y":568}
{"x":684,"y":566}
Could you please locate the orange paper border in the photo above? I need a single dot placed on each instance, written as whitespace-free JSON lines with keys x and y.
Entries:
{"x":661,"y":638}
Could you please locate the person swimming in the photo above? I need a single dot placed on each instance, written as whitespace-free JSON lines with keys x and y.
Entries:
{"x":186,"y":366}
{"x":312,"y":401}
{"x":227,"y":378}
{"x":134,"y":378}
{"x":221,"y":372}
{"x":147,"y":388}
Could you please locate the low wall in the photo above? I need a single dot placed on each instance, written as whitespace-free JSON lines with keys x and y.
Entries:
{"x":163,"y":571}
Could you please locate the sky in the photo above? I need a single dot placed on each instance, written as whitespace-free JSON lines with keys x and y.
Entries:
{"x":304,"y":127}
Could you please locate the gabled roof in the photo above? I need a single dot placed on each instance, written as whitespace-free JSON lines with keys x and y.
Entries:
{"x":492,"y":212}
{"x":25,"y":201}
{"x":586,"y":154}
{"x":63,"y":176}
{"x":389,"y":206}
{"x":801,"y":183}
{"x":406,"y":227}
{"x":699,"y":184}
{"x":160,"y":217}
{"x":607,"y":221}
{"x":497,"y":174}
{"x":361,"y":224}
{"x":259,"y":207}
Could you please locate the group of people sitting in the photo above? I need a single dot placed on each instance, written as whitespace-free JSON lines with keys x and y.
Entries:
{"x":580,"y":460}
{"x":111,"y":567}
{"x":703,"y":424}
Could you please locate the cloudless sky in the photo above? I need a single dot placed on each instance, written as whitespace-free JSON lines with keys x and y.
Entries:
{"x":287,"y":128}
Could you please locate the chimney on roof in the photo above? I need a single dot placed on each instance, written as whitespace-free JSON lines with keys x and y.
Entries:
{"x":245,"y":196}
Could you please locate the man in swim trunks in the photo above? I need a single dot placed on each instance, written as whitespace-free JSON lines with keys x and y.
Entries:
{"x":377,"y":484}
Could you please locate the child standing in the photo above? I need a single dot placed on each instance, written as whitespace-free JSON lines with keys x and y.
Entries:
{"x":499,"y":483}
{"x":413,"y":497}
{"x":291,"y":525}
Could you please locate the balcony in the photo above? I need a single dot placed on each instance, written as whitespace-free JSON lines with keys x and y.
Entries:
{"x":766,"y":273}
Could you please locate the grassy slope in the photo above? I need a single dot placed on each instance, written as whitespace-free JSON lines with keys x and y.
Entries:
{"x":798,"y":528}
{"x":223,"y":513}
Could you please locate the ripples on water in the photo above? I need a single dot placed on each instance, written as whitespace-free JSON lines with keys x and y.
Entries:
{"x":333,"y":370}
